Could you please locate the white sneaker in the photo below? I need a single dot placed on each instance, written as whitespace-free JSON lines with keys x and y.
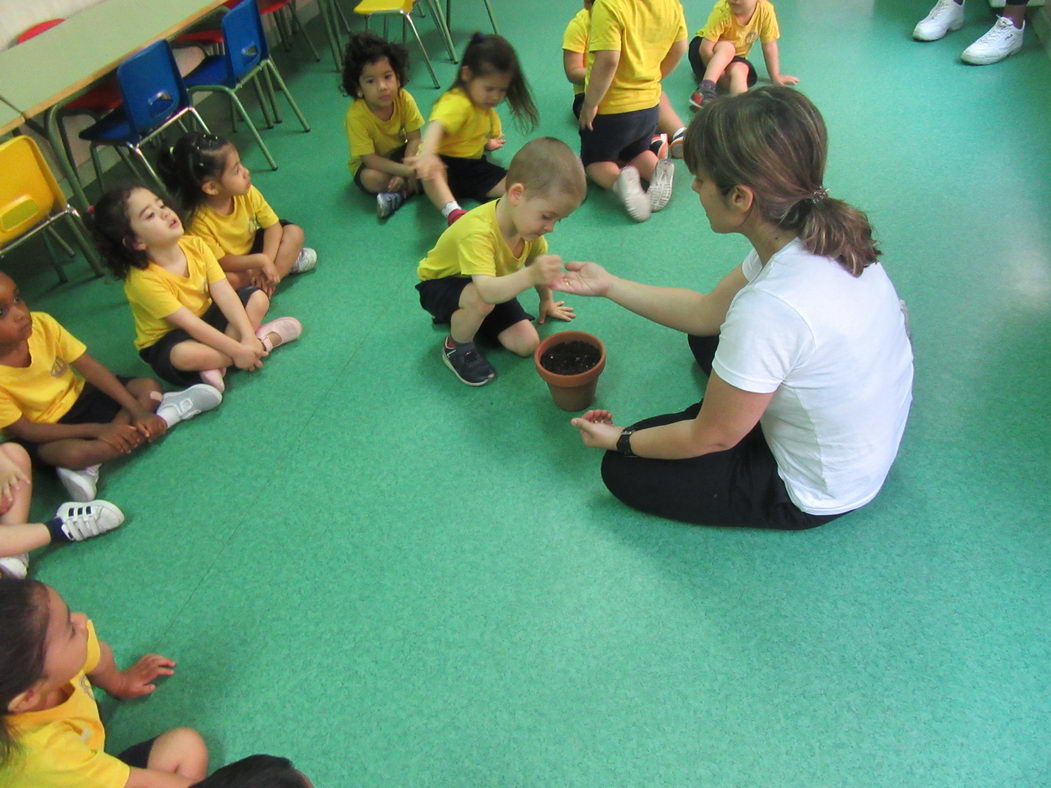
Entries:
{"x":16,"y":566}
{"x":183,"y":405}
{"x":946,"y":16}
{"x":306,"y":261}
{"x":80,"y":521}
{"x":660,"y":187}
{"x":628,"y":188}
{"x":1003,"y":39}
{"x":81,"y":485}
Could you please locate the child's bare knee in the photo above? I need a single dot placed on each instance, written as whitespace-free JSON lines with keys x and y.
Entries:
{"x":182,"y":751}
{"x":16,"y":453}
{"x":293,"y":233}
{"x":258,"y":300}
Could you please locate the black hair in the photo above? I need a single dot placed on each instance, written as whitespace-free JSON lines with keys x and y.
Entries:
{"x":365,"y":48}
{"x":255,"y":771}
{"x":23,"y":611}
{"x":194,"y":158}
{"x":493,"y":54}
{"x":110,"y":227}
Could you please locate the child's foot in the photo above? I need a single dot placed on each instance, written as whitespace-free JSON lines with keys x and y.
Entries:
{"x":660,"y":187}
{"x":183,"y":405}
{"x":1002,"y":40}
{"x":279,"y":332}
{"x":467,"y":363}
{"x":628,"y":188}
{"x":659,"y":146}
{"x":75,"y":522}
{"x":388,"y":202}
{"x":947,"y":15}
{"x":15,"y":566}
{"x":675,"y":147}
{"x":81,"y":485}
{"x":306,"y":261}
{"x":214,"y":378}
{"x":705,"y":92}
{"x":454,"y":215}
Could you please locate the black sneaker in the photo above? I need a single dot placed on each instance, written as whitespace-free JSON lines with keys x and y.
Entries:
{"x":467,"y":363}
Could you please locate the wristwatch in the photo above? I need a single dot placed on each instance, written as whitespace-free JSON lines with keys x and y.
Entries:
{"x":624,"y":442}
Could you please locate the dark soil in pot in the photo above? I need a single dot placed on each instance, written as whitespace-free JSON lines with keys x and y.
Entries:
{"x":570,"y":358}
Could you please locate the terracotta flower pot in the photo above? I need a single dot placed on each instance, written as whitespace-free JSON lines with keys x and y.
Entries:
{"x":573,"y":391}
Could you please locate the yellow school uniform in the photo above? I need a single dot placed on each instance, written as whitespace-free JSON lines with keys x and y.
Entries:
{"x":575,"y":39}
{"x":234,"y":234}
{"x":722,"y":25}
{"x":368,"y":134}
{"x":45,"y":390}
{"x":642,"y":33}
{"x":467,"y":127}
{"x":155,"y":293}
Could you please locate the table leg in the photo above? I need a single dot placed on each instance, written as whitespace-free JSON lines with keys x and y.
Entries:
{"x":51,"y":121}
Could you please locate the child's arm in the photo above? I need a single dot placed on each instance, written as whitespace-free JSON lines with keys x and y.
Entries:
{"x":147,"y":422}
{"x":22,"y":537}
{"x":244,"y":354}
{"x":574,"y":66}
{"x":542,"y":271}
{"x":602,"y":71}
{"x":134,"y":682}
{"x":250,"y":262}
{"x":773,"y":65}
{"x":426,"y":162}
{"x":122,"y":437}
{"x":671,"y":60}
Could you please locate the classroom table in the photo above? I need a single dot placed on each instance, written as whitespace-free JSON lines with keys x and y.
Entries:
{"x":10,"y":118}
{"x":40,"y":75}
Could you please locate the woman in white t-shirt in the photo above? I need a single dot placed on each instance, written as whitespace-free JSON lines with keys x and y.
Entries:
{"x":805,"y":343}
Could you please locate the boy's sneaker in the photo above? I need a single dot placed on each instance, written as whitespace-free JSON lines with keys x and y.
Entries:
{"x":659,"y":146}
{"x":467,"y":363}
{"x":660,"y":187}
{"x":387,"y":203}
{"x":286,"y":328}
{"x":675,"y":147}
{"x":1002,"y":40}
{"x":946,"y":16}
{"x":628,"y":188}
{"x":454,"y":215}
{"x":75,"y":522}
{"x":183,"y":405}
{"x":15,"y":566}
{"x":81,"y":485}
{"x":705,"y":92}
{"x":306,"y":261}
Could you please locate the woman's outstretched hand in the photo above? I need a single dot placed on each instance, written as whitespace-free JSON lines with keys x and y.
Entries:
{"x":586,"y":279}
{"x":597,"y":430}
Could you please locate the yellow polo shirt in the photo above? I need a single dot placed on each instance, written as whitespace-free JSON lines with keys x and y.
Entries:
{"x":642,"y":33}
{"x":467,"y":127}
{"x":575,"y":39}
{"x":722,"y":25}
{"x":155,"y":293}
{"x":368,"y":134}
{"x":45,"y":390}
{"x":234,"y":234}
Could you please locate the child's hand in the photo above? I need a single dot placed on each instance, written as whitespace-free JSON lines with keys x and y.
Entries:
{"x":597,"y":429}
{"x":11,"y":478}
{"x":427,"y":165}
{"x":249,"y":355}
{"x":785,"y":79}
{"x":495,"y":143}
{"x":556,"y":309}
{"x":150,"y":425}
{"x":123,"y":437}
{"x":588,"y":279}
{"x":137,"y":680}
{"x":587,"y":115}
{"x":545,"y":269}
{"x":396,"y":183}
{"x":258,"y":278}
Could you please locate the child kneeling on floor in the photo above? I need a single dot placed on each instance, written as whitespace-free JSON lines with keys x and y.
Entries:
{"x":51,"y":733}
{"x":67,"y":408}
{"x":471,"y":278}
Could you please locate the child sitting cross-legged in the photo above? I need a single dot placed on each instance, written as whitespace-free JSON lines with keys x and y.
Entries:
{"x":473,"y":275}
{"x":67,"y":408}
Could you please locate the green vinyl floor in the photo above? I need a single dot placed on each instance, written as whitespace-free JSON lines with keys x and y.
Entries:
{"x":394,"y":579}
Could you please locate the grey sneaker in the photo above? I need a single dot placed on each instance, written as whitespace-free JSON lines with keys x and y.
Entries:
{"x":467,"y":363}
{"x":306,"y":261}
{"x":16,"y":566}
{"x":79,"y":521}
{"x":387,"y":203}
{"x":81,"y":485}
{"x":660,"y":187}
{"x":183,"y":405}
{"x":628,"y":188}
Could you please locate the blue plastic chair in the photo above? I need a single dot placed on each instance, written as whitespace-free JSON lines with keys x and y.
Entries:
{"x":246,"y":57}
{"x":154,"y":98}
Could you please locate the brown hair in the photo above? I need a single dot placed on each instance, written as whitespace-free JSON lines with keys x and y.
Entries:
{"x":773,"y":140}
{"x":548,"y":167}
{"x":23,"y":609}
{"x":493,"y":54}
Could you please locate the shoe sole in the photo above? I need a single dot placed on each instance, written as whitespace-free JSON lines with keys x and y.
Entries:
{"x":973,"y":61}
{"x":660,"y":192}
{"x":950,"y":29}
{"x":466,"y":382}
{"x":676,"y":149}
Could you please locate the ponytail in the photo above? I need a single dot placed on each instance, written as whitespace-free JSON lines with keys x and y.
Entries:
{"x":493,"y":54}
{"x":184,"y":168}
{"x":23,"y":609}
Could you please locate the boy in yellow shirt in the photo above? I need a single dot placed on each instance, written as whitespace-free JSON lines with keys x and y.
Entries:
{"x":473,"y":275}
{"x":718,"y":53}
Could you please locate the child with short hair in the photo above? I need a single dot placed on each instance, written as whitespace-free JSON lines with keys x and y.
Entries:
{"x":464,"y":126}
{"x":67,"y":408}
{"x":257,"y":771}
{"x":471,"y":278}
{"x":719,"y":51}
{"x":51,"y":733}
{"x":190,"y":323}
{"x":214,"y":188}
{"x":631,"y":47}
{"x":383,"y":122}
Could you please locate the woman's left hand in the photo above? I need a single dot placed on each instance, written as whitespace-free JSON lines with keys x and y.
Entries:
{"x":597,"y":430}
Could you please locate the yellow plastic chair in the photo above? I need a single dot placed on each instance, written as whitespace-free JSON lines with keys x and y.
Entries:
{"x":404,"y":8}
{"x":31,"y":202}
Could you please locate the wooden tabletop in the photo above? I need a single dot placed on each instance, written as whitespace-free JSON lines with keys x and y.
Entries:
{"x":67,"y":58}
{"x":10,"y":118}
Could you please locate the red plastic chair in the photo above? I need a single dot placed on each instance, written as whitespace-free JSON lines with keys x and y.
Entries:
{"x":286,"y":23}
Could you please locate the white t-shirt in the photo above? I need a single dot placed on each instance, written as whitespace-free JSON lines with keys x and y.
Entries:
{"x":834,"y":350}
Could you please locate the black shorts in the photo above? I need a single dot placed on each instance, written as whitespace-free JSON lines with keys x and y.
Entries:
{"x":441,"y":297}
{"x":137,"y":756}
{"x":395,"y":155}
{"x":698,"y":66}
{"x":578,"y":102}
{"x":472,"y":178}
{"x":257,"y":244}
{"x":159,"y":354}
{"x":619,"y":137}
{"x":92,"y":407}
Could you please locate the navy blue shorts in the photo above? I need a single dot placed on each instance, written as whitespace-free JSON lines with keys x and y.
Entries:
{"x":472,"y":178}
{"x":257,"y":244}
{"x":441,"y":297}
{"x":619,"y":137}
{"x":395,"y":155}
{"x":137,"y":756}
{"x":698,"y":66}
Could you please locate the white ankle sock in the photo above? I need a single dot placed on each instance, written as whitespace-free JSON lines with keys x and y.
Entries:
{"x":450,"y":206}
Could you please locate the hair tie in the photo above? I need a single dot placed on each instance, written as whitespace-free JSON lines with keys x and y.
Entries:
{"x":817,"y":195}
{"x":477,"y":38}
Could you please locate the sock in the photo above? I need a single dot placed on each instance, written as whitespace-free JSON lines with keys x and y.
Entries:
{"x":709,"y":83}
{"x":58,"y":536}
{"x":450,"y":206}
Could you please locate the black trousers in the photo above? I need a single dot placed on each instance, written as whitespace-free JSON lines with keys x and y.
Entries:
{"x":736,"y":487}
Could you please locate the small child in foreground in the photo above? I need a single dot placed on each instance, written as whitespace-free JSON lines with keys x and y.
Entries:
{"x":67,"y":408}
{"x":51,"y":733}
{"x":257,"y":771}
{"x":471,"y":278}
{"x":383,"y":122}
{"x":719,"y":51}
